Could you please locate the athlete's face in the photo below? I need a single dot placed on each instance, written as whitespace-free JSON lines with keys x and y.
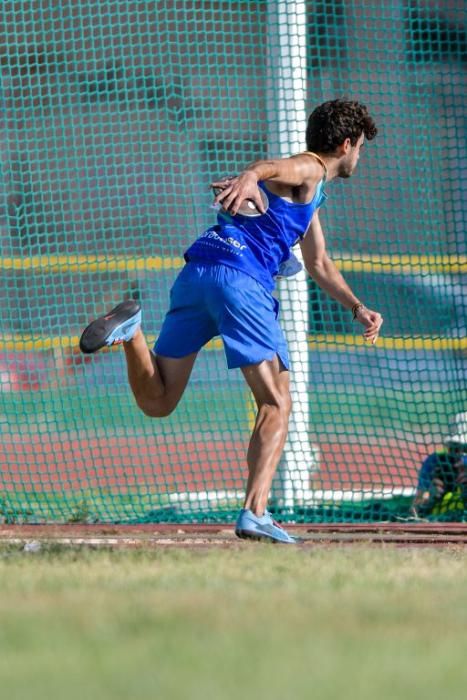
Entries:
{"x":349,"y":160}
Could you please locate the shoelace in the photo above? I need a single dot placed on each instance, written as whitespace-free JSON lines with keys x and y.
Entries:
{"x":274,"y":522}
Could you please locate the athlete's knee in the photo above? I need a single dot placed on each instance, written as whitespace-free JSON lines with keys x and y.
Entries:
{"x":286,"y":404}
{"x":283,"y":402}
{"x":277,"y":411}
{"x":155,"y":408}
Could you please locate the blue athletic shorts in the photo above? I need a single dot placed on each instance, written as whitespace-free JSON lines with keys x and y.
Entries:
{"x":210,"y":300}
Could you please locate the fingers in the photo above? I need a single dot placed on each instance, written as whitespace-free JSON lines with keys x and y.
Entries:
{"x":225,"y":194}
{"x":223,"y":182}
{"x":225,"y":198}
{"x":231,"y":195}
{"x":371,"y":336}
{"x":373,"y":322}
{"x":372,"y":332}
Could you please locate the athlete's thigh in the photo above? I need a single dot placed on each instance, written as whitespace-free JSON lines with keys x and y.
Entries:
{"x":246,"y":315}
{"x":268,"y":381}
{"x":187,"y":325}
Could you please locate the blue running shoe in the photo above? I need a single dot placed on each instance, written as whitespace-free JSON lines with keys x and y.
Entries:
{"x":254,"y":527}
{"x":117,"y":326}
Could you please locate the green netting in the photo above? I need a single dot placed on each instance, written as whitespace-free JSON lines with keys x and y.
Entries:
{"x":116,"y":115}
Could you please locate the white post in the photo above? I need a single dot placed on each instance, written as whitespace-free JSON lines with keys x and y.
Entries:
{"x":287,"y":87}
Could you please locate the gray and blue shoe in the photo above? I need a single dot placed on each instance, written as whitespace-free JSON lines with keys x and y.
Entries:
{"x":264,"y":528}
{"x":115,"y":327}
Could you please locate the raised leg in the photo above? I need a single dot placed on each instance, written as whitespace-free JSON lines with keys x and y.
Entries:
{"x":157,"y":382}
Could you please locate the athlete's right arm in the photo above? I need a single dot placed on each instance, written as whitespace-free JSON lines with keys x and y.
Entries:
{"x":293,"y":171}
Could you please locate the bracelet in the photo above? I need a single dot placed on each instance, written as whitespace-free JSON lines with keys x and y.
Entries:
{"x":355,"y":309}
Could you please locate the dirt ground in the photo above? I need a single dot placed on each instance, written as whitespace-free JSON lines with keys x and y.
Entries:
{"x":195,"y":536}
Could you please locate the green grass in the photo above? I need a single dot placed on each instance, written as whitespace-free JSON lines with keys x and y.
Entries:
{"x":255,"y":622}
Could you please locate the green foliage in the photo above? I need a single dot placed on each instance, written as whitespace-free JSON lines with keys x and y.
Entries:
{"x":82,"y":513}
{"x":11,"y":514}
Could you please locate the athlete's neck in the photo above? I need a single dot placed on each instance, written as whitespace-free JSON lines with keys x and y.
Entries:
{"x":331,"y":163}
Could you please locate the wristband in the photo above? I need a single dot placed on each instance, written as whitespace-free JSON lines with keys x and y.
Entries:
{"x":355,"y":309}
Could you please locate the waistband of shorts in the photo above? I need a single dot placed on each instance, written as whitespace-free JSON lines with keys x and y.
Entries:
{"x":225,"y":270}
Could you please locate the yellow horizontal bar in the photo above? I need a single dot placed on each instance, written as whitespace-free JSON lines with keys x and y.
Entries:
{"x":90,"y":263}
{"x":351,"y":342}
{"x":335,"y":342}
{"x":403,"y":264}
{"x":395,"y":264}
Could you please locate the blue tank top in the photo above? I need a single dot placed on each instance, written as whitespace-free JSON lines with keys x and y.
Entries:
{"x":257,"y":245}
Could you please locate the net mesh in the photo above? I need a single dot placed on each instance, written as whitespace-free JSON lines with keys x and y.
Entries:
{"x":115,"y":118}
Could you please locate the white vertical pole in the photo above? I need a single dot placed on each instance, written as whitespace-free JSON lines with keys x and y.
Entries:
{"x":287,"y":84}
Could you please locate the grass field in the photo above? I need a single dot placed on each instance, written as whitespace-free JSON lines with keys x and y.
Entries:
{"x":249,"y":622}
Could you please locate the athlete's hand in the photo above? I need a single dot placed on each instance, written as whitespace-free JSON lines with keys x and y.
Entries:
{"x":236,"y":190}
{"x":372,"y":321}
{"x":437,"y":487}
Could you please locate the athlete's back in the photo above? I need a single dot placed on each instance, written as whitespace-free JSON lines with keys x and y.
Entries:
{"x":260,"y":243}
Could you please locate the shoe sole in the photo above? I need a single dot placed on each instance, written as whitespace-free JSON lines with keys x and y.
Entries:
{"x":95,"y":335}
{"x":251,"y":535}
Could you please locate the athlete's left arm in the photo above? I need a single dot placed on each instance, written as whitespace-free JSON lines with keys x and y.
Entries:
{"x":322,"y":269}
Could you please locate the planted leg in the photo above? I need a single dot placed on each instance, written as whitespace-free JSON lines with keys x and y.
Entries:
{"x":269,"y":382}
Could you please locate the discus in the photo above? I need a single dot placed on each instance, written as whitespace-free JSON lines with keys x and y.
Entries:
{"x":248,"y":207}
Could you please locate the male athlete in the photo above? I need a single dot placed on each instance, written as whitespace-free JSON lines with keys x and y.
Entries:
{"x":225,"y":289}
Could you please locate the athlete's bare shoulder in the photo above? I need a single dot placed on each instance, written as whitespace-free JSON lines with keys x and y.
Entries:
{"x":301,"y":174}
{"x":312,"y":164}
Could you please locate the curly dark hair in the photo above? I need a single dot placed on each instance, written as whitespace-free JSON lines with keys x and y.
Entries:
{"x":334,"y":121}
